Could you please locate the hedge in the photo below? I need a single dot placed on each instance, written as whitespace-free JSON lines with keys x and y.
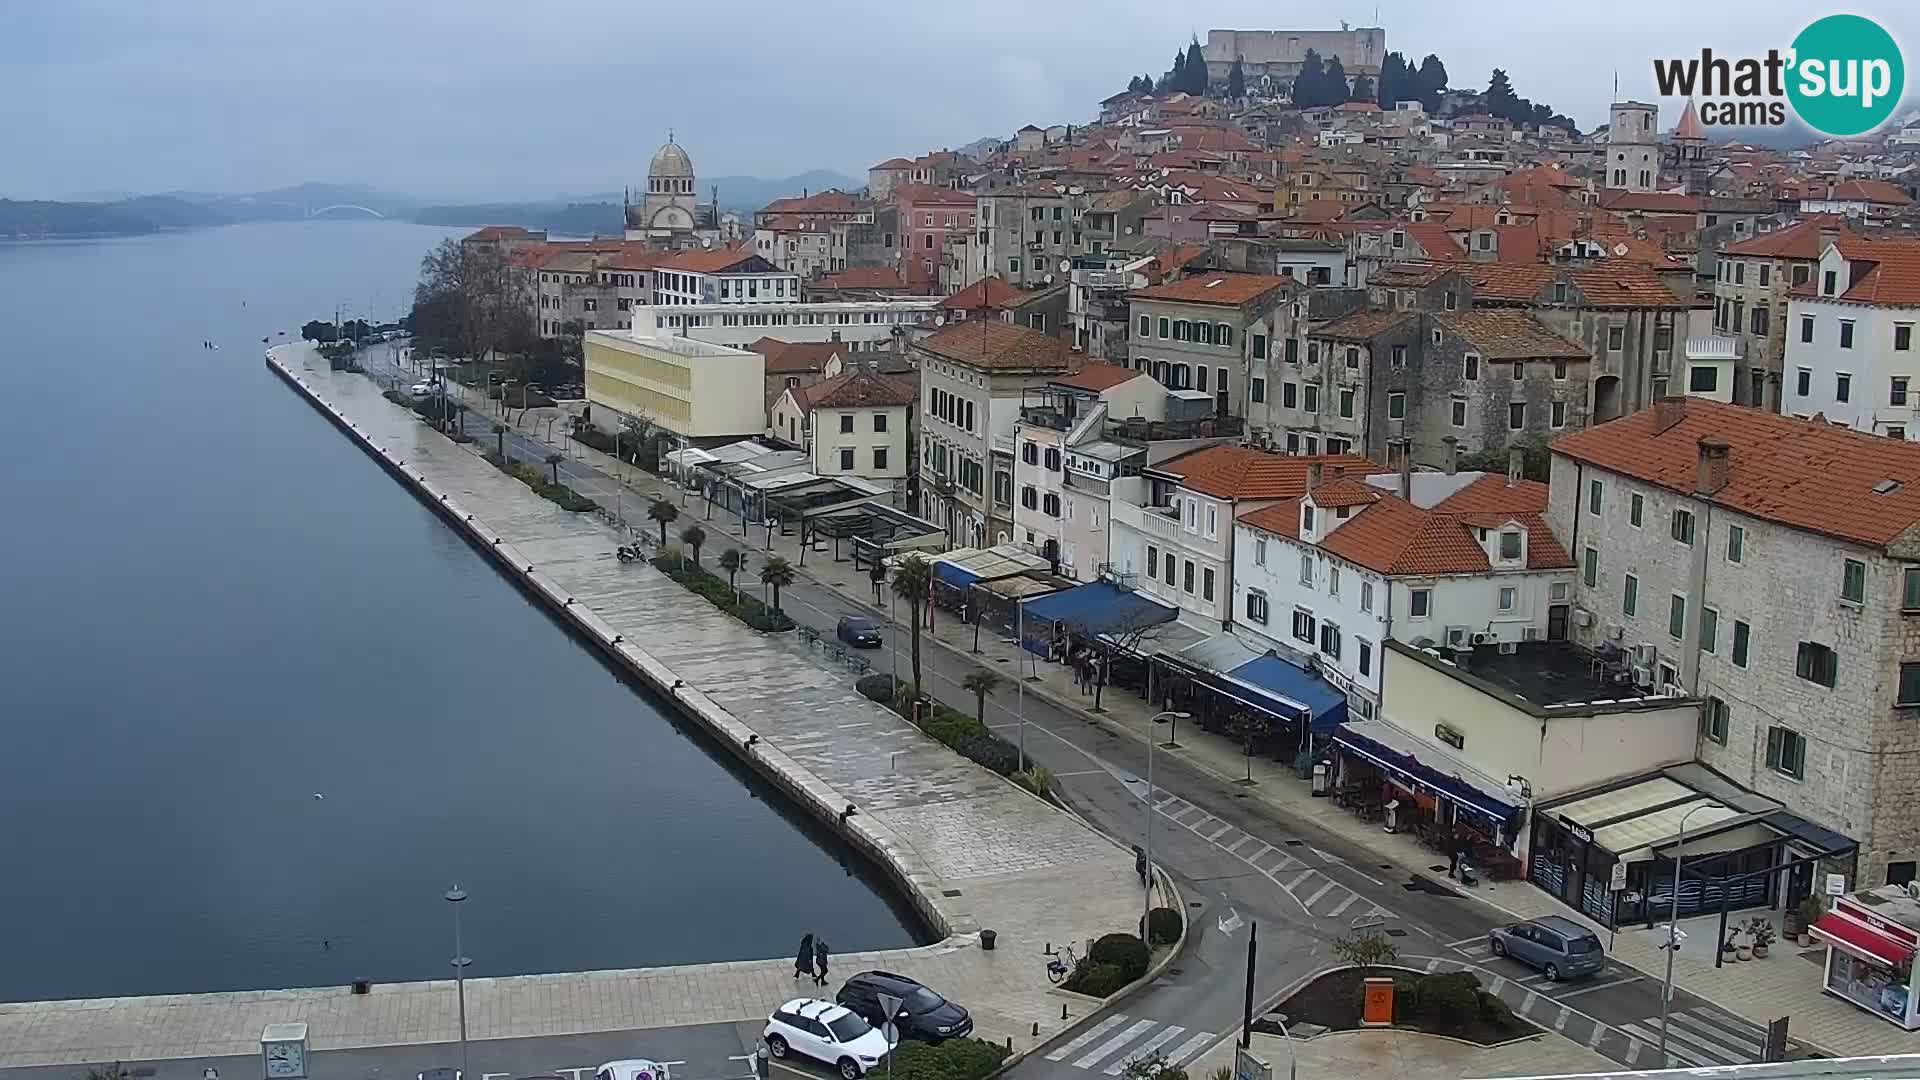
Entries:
{"x":878,"y":688}
{"x":748,"y":608}
{"x":1096,"y":980}
{"x":955,"y":1059}
{"x":957,"y":731}
{"x":535,"y":477}
{"x":1124,"y":951}
{"x":1163,"y":925}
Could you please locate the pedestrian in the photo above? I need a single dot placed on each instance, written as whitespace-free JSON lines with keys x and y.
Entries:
{"x":820,"y":961}
{"x":1453,"y":854}
{"x":803,"y":961}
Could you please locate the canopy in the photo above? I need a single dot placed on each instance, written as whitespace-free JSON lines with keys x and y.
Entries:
{"x":1098,"y":607}
{"x":1861,"y":940}
{"x":1422,"y":764}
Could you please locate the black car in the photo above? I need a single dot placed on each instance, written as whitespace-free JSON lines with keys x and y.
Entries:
{"x":858,"y":632}
{"x":924,"y":1014}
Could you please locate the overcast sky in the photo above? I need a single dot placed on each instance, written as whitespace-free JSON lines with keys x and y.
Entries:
{"x":511,"y":98}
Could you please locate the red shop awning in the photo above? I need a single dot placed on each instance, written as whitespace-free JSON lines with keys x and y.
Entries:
{"x":1861,"y":940}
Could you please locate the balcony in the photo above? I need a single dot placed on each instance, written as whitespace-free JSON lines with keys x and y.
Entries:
{"x":1046,"y":417}
{"x":1119,"y":280}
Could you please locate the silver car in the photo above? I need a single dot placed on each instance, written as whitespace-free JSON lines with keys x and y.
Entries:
{"x":1559,"y":948}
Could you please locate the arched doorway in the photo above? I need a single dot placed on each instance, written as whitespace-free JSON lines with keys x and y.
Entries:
{"x":1606,"y":398}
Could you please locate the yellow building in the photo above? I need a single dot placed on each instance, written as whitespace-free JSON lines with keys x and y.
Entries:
{"x":694,"y":389}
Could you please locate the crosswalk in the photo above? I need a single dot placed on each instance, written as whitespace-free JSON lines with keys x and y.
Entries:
{"x":1699,"y":1037}
{"x":1293,"y":865}
{"x":1108,"y":1046}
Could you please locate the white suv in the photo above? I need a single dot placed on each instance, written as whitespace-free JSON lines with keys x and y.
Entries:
{"x":826,"y":1032}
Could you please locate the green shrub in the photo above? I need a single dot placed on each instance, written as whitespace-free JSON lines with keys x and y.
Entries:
{"x":1124,"y":951}
{"x":877,"y":687}
{"x":1449,"y":1000}
{"x":1037,"y":779}
{"x":1163,"y":925}
{"x":1494,"y":1009}
{"x":1096,"y":980}
{"x":715,"y":590}
{"x":990,"y":751}
{"x":955,"y":1059}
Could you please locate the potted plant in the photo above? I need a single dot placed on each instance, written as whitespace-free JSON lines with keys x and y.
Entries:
{"x":1761,"y":931}
{"x":1809,"y":911}
{"x":1728,"y":950}
{"x":1742,"y":945}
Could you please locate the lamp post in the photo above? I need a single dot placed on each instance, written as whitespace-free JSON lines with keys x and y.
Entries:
{"x":1146,"y":898}
{"x":1293,"y":1059}
{"x":455,"y":896}
{"x":1673,"y":923}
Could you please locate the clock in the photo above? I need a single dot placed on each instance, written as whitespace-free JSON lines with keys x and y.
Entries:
{"x":283,"y":1051}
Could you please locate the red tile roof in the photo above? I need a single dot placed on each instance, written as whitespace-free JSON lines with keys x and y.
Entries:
{"x":1238,"y":472}
{"x":1650,"y":202}
{"x":1801,"y":240}
{"x":1872,"y":191}
{"x":711,"y":261}
{"x":831,"y":201}
{"x":859,"y":389}
{"x":893,"y":163}
{"x":862,"y":277}
{"x":1510,"y":334}
{"x":1393,"y":536}
{"x":1099,"y":377}
{"x":998,"y":346}
{"x":796,"y":357}
{"x":992,"y":293}
{"x":1802,"y":473}
{"x":1893,"y":275}
{"x":1213,"y":287}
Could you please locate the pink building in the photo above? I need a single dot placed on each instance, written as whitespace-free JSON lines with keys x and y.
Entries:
{"x":928,"y":216}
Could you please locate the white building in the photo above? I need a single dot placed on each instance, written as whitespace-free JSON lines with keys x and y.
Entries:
{"x":1766,"y":565}
{"x":854,"y":424}
{"x":722,"y":276}
{"x":1851,"y":355}
{"x":1874,"y":200}
{"x":863,"y":325}
{"x":1352,"y":563}
{"x":1710,"y":366}
{"x":1066,"y":418}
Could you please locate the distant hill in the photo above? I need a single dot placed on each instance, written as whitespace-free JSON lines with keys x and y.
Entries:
{"x":37,"y":220}
{"x":561,"y":219}
{"x":297,"y":202}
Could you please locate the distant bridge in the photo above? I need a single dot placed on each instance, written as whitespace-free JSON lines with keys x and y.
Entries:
{"x":345,"y":206}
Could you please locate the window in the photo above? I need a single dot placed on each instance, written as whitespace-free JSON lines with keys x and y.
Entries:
{"x":1330,"y":640}
{"x":1593,"y":496}
{"x":1333,"y":581}
{"x":1559,"y":371}
{"x":1759,"y":324}
{"x":1909,"y":693}
{"x":1153,"y":562}
{"x":1419,"y":603}
{"x":1029,"y":496}
{"x":1827,"y":281}
{"x":1399,"y":355}
{"x":1289,"y":395}
{"x":1173,"y":565}
{"x":1306,"y":563}
{"x":1709,"y":630}
{"x":1902,"y":337}
{"x":1353,"y":358}
{"x":1897,"y":432}
{"x":880,"y":458}
{"x":1803,"y":382}
{"x":1616,"y":338}
{"x":1366,"y":657}
{"x":1206,"y":584}
{"x":1458,"y":408}
{"x":1519,"y":371}
{"x":1517,"y":416}
{"x":1257,"y":390}
{"x":1853,"y":581}
{"x":1677,"y":617}
{"x":1146,"y":326}
{"x":1739,"y":273}
{"x":1630,"y":599}
{"x":1366,"y":596}
{"x":1223,"y":335}
{"x":846,"y":459}
{"x":1816,"y":663}
{"x":1713,"y":720}
{"x":1166,"y":324}
{"x":1052,"y":459}
{"x":1846,"y":333}
{"x":1473,"y":367}
{"x":1703,"y":379}
{"x":1842,"y":387}
{"x":1213,"y":520}
{"x":1742,"y":640}
{"x":1303,"y":625}
{"x":1510,"y":544}
{"x":1590,"y":567}
{"x":1766,"y":272}
{"x":1736,"y":544}
{"x":1682,"y":526}
{"x":1786,"y":748}
{"x":1259,"y":346}
{"x":1186,"y":577}
{"x":1310,"y":398}
{"x":1050,"y":504}
{"x":846,"y":423}
{"x":1910,"y":589}
{"x":1897,"y":390}
{"x":1257,"y":607}
{"x":1292,"y":351}
{"x":1346,"y":402}
{"x":1508,"y":597}
{"x":1806,"y":329}
{"x":1396,"y":405}
{"x":1202,"y":383}
{"x":879,"y":421}
{"x":1635,"y":506}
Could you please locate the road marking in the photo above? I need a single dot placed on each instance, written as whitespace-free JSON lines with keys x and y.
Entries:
{"x":1433,"y":964}
{"x":1634,"y":1046}
{"x":1265,"y":850}
{"x":1532,"y":999}
{"x":1697,"y":1031}
{"x":1737,"y":1033}
{"x":1318,"y":893}
{"x":1299,"y":880}
{"x":1343,"y":905}
{"x":1335,"y":859}
{"x":1145,"y":1049}
{"x":1113,"y":1045}
{"x":1652,"y":1038}
{"x":1083,"y":772}
{"x":1596,"y":986}
{"x":1236,"y":844}
{"x":1287,"y":862}
{"x":1222,"y":831}
{"x":1499,"y":983}
{"x":1189,"y":1048}
{"x":1088,"y":1036}
{"x":1481,"y":940}
{"x":1560,"y":1024}
{"x":1599,"y":1029}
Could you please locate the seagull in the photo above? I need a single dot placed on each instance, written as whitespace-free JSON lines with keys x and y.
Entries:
{"x":317,"y":795}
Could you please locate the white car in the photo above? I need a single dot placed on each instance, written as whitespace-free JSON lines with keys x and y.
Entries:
{"x":825,"y":1032}
{"x":421,"y":389}
{"x":632,"y":1069}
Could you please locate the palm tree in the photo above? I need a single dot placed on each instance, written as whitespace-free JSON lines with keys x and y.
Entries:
{"x":693,"y":536}
{"x":777,"y":574}
{"x":733,"y":562}
{"x":663,"y":512}
{"x":553,"y":462}
{"x":912,"y":580}
{"x":981,"y":684}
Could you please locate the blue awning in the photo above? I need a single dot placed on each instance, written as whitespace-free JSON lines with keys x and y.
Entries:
{"x":1417,"y":764}
{"x":953,"y":575}
{"x":1302,"y":694}
{"x":1098,"y":607}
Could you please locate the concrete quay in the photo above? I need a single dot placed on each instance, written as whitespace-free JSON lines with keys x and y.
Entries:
{"x":969,"y":849}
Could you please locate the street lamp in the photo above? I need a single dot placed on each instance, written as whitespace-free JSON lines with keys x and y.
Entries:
{"x":1293,"y":1059}
{"x":1146,"y":899}
{"x":455,"y":896}
{"x":1673,"y":923}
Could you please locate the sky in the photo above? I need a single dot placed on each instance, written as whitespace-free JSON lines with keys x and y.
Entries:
{"x":482,"y":99}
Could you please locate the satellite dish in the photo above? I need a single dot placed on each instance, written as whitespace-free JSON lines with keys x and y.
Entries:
{"x":1066,"y":265}
{"x":1048,"y":280}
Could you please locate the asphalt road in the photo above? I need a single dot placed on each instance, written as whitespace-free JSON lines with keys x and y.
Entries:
{"x":1240,"y":864}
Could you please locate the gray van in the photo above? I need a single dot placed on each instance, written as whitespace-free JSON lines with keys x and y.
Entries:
{"x":1559,"y":947}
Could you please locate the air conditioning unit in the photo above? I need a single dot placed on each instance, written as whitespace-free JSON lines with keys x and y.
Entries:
{"x":1481,"y":637}
{"x":1644,"y":654}
{"x":1642,"y":676}
{"x":1913,"y":889}
{"x":1671,"y":690}
{"x":1531,"y":633}
{"x":1582,"y":617}
{"x":1458,"y":635}
{"x":1508,"y":648}
{"x":1615,"y":631}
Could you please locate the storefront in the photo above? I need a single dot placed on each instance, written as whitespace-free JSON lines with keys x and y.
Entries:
{"x":1871,"y":938}
{"x":1277,"y":707}
{"x":1412,"y":786}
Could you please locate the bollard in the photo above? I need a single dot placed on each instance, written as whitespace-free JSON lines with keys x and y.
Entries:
{"x":1063,"y":1010}
{"x":1009,"y":1044}
{"x":1035,"y":1033}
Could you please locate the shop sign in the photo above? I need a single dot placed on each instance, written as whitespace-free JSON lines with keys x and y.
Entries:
{"x":1585,"y":836}
{"x":1836,"y":884}
{"x":1618,"y":881}
{"x":1453,"y":737}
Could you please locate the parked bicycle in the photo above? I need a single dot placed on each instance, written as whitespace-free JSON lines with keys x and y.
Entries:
{"x":1060,"y":964}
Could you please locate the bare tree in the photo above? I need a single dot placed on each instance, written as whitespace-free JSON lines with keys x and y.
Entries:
{"x":1134,"y":632}
{"x":472,"y":302}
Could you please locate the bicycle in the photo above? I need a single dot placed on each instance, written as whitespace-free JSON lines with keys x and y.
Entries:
{"x":1059,"y":964}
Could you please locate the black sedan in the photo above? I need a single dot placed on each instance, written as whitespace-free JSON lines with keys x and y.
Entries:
{"x":861,"y":633}
{"x":923,"y":1015}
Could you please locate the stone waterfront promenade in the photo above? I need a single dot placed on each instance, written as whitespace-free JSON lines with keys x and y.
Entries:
{"x":969,"y":849}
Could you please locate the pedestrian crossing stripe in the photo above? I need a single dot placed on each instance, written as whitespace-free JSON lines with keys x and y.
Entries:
{"x":1317,"y":894}
{"x":1088,"y":1036}
{"x":1145,"y":1050}
{"x":1110,"y":1045}
{"x":1115,"y":1044}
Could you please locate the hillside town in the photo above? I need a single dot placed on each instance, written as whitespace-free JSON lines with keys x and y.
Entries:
{"x":1557,"y":483}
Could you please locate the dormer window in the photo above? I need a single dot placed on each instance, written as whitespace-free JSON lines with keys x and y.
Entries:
{"x":1511,"y":545}
{"x":1306,"y":520}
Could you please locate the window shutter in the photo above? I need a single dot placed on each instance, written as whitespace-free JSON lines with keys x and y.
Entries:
{"x":1773,"y":748}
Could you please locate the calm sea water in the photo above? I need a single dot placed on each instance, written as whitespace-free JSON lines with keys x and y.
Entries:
{"x":213,"y":609}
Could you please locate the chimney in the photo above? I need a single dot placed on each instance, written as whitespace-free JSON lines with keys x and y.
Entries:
{"x":1313,"y":475}
{"x":1516,"y":465}
{"x":1716,"y":463}
{"x":1406,"y":469}
{"x":1667,"y":412}
{"x":1453,"y":454}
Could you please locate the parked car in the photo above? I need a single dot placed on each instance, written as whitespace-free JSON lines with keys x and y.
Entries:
{"x":923,"y":1015}
{"x":631,"y":1069}
{"x":825,"y":1032}
{"x":859,"y":632}
{"x":420,"y":389}
{"x":1559,"y":947}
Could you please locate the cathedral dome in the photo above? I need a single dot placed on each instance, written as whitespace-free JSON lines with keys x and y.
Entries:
{"x":671,"y":162}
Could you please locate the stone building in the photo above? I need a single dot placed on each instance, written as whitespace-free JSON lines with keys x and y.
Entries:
{"x":1632,"y":149}
{"x":1271,"y":58}
{"x":668,"y":212}
{"x":1192,"y":334}
{"x":1751,"y":284}
{"x":1768,"y":566}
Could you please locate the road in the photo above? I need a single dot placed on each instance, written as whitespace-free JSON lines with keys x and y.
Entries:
{"x":1238,"y":863}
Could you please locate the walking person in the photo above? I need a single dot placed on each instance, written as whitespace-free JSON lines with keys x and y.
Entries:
{"x":820,"y":961}
{"x":803,"y":961}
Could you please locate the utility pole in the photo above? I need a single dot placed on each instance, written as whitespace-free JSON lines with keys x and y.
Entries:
{"x":1246,"y":1015}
